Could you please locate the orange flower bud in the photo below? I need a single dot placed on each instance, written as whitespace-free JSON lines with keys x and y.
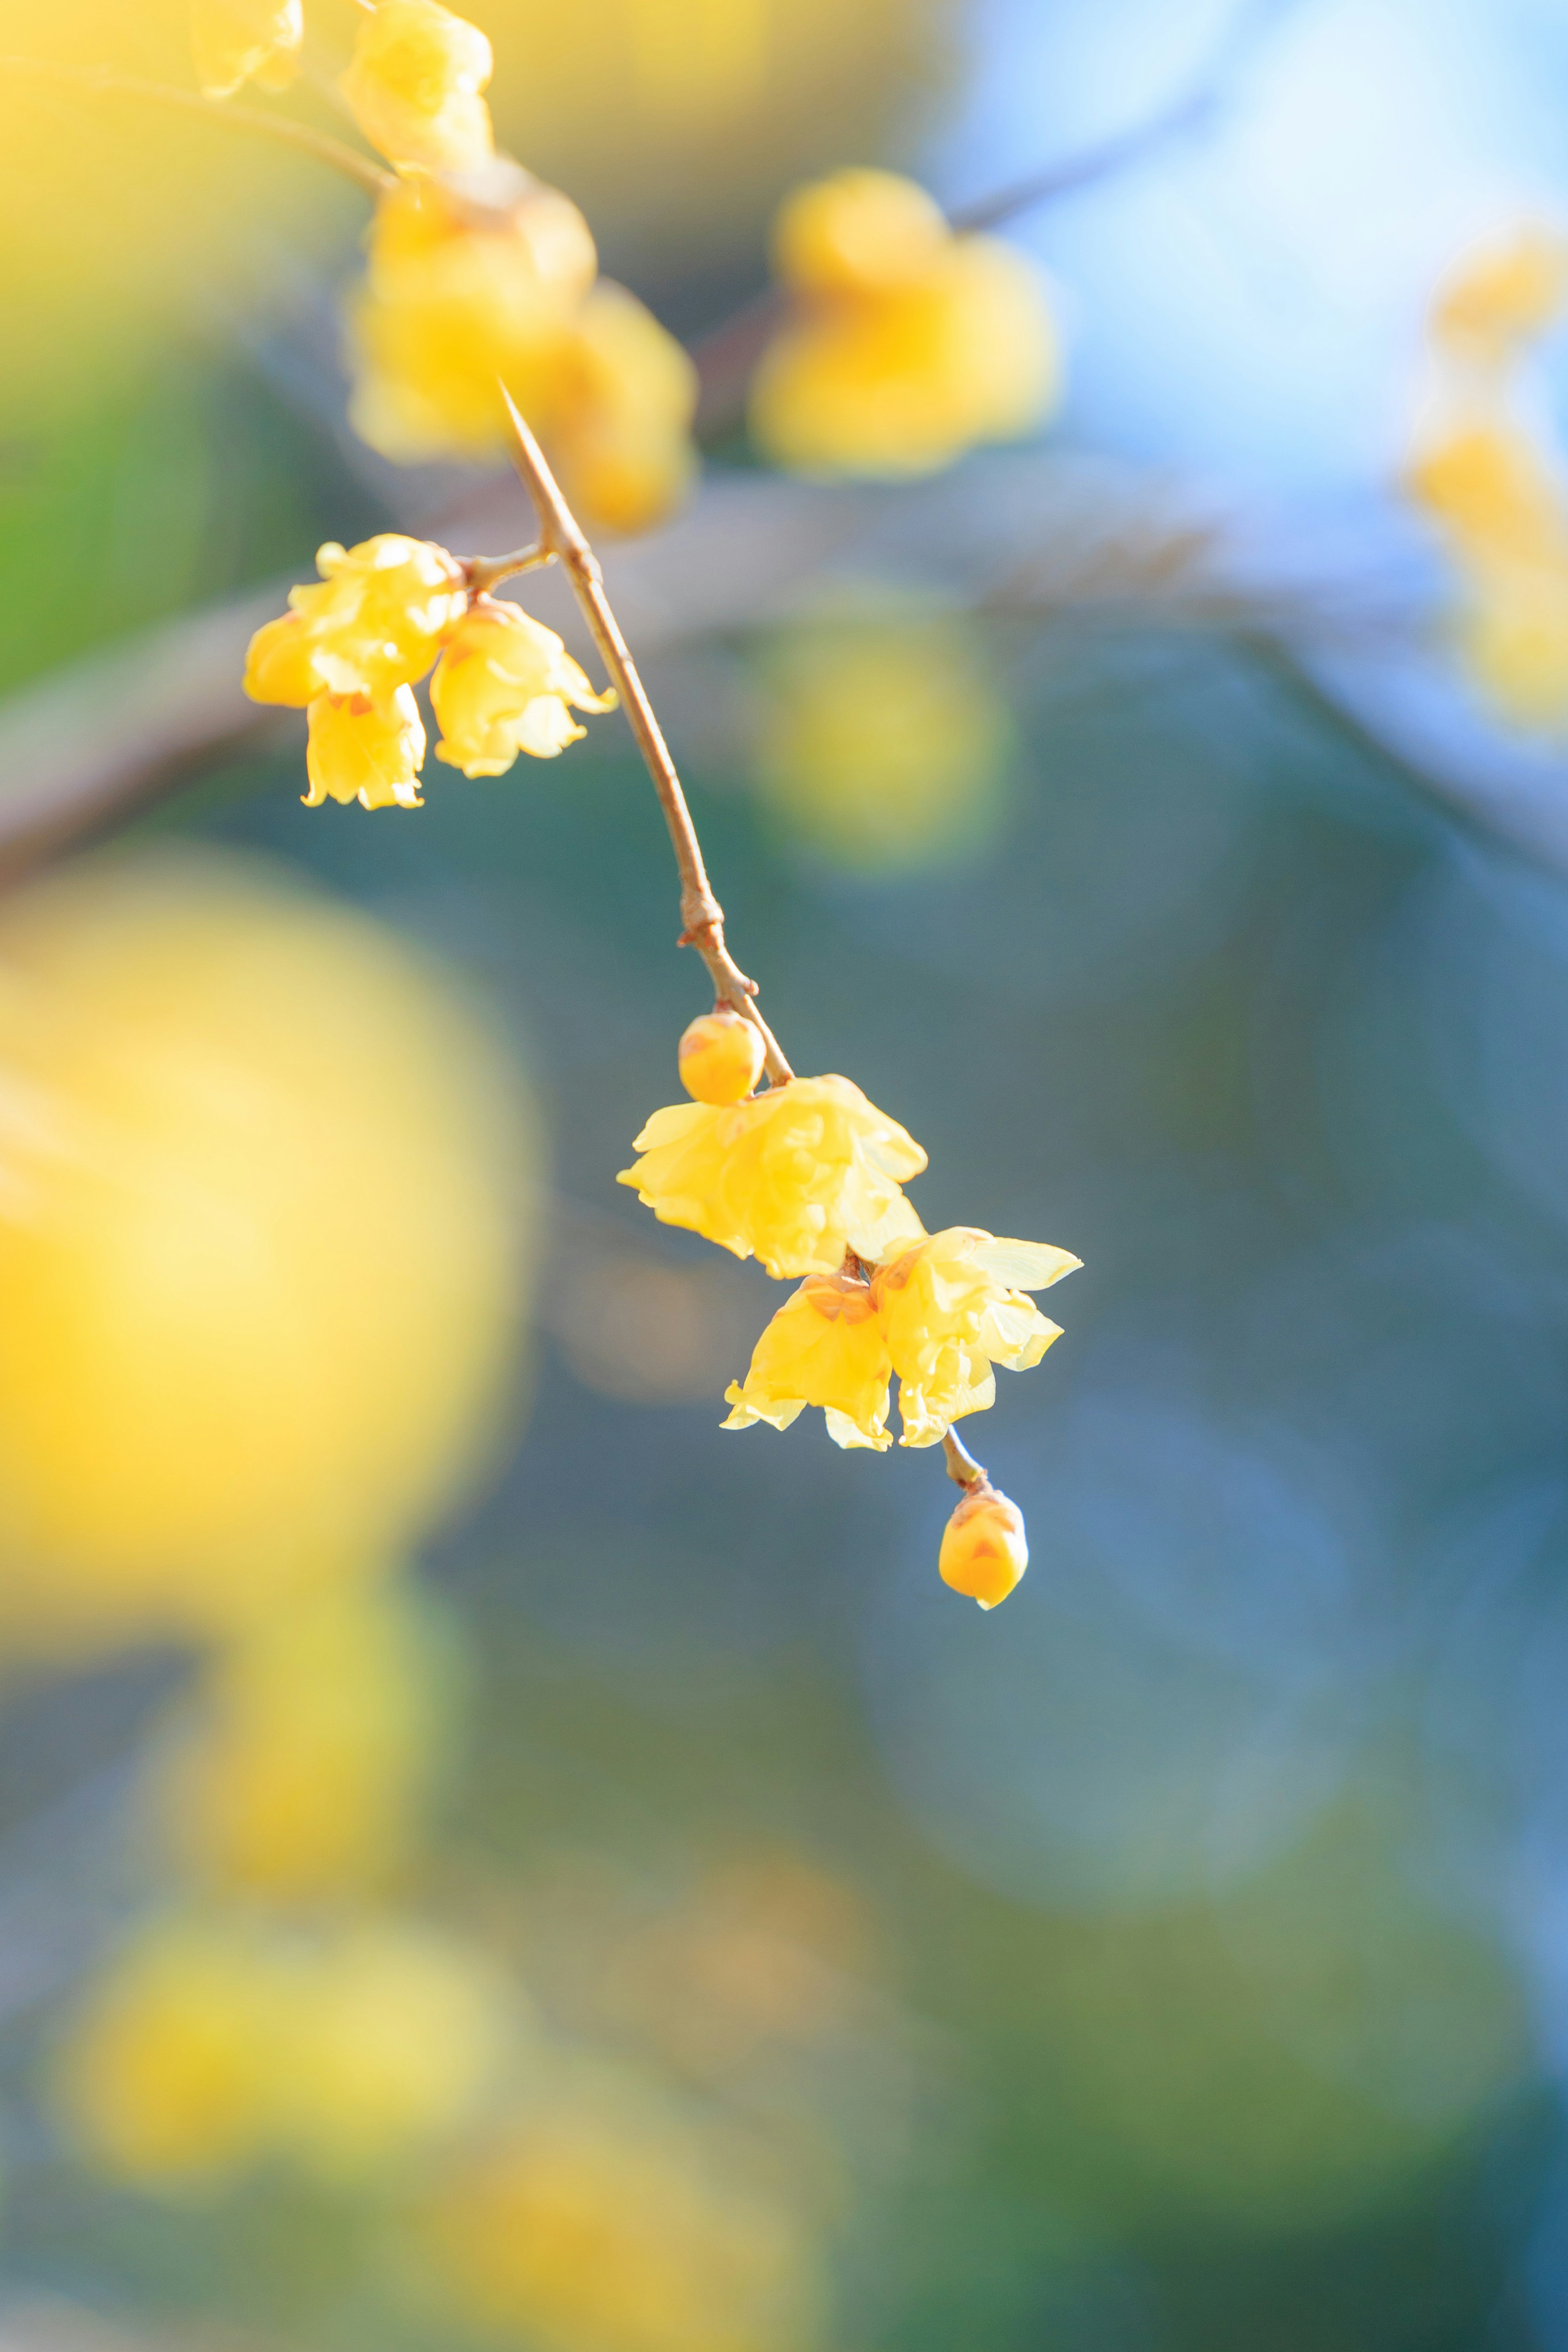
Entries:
{"x":721,"y":1055}
{"x":985,"y":1547}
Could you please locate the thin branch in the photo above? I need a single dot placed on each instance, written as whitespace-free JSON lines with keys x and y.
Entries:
{"x":485,"y":572}
{"x":99,"y":81}
{"x":961,"y":1465}
{"x":701,"y":915}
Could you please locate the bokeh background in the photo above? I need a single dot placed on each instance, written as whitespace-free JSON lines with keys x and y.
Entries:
{"x":485,"y":1858}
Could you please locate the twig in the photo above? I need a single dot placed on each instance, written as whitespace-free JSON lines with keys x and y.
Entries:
{"x":961,"y":1465}
{"x":701,"y":915}
{"x":99,"y":81}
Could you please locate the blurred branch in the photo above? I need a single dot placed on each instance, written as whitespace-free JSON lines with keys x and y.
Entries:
{"x":99,"y":81}
{"x":701,"y":915}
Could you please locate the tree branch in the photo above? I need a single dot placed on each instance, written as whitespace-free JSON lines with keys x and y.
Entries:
{"x":701,"y":915}
{"x":99,"y":81}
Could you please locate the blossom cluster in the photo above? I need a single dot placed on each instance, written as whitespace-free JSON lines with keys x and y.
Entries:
{"x":807,"y":1176}
{"x":906,"y":344}
{"x":478,"y":273}
{"x":351,"y":647}
{"x":1490,"y":480}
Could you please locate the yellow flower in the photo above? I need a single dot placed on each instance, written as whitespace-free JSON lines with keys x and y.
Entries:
{"x":378,"y":616}
{"x":797,"y":1175}
{"x":616,"y":414}
{"x":302,"y":1768}
{"x":262,"y":1240}
{"x":1503,"y":295}
{"x":461,"y":291}
{"x":907,"y":346}
{"x":579,"y":2230}
{"x":949,"y":1313}
{"x":1494,"y":491}
{"x":165,"y":2078}
{"x":390,"y":2034}
{"x":415,"y":83}
{"x":1513,"y":639}
{"x":824,"y":1347}
{"x":721,"y":1055}
{"x":236,"y":41}
{"x":857,"y":232}
{"x":984,"y":1548}
{"x":365,"y":748}
{"x":502,"y":687}
{"x":279,"y":666}
{"x":884,"y":742}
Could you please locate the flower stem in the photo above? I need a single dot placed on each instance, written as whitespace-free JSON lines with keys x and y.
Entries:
{"x":961,"y":1465}
{"x":99,"y":81}
{"x":701,"y":915}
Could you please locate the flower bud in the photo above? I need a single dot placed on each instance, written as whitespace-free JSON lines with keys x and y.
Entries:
{"x":721,"y":1055}
{"x":984,"y":1548}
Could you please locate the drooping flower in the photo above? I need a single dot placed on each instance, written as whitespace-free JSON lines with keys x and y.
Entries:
{"x":906,"y":345}
{"x":1501,"y":295}
{"x":825,"y":1346}
{"x":984,"y":1548}
{"x":414,"y":86}
{"x":951,"y":1310}
{"x":502,"y":686}
{"x":796,"y":1176}
{"x":857,"y":232}
{"x":236,"y":41}
{"x":617,"y":415}
{"x":721,"y":1055}
{"x":375,"y":621}
{"x":365,"y":748}
{"x":465,"y":289}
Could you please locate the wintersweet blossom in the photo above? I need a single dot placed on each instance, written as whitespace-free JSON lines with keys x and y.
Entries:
{"x":236,"y":41}
{"x":365,"y":748}
{"x":907,"y":344}
{"x":1501,"y":295}
{"x":503,"y":686}
{"x":984,"y":1548}
{"x":824,"y":1347}
{"x":721,"y":1055}
{"x":464,"y":288}
{"x":1489,"y":487}
{"x":414,"y":86}
{"x":375,"y":621}
{"x":952,"y":1306}
{"x":796,"y":1175}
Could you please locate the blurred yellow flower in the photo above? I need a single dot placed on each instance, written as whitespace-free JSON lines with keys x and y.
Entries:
{"x":164,"y":2077}
{"x":375,"y":621}
{"x":721,"y":1055}
{"x":612,"y":2233}
{"x":365,"y":748}
{"x":796,"y":1175}
{"x":503,"y":686}
{"x":461,"y":291}
{"x":414,"y":86}
{"x":952,"y":1306}
{"x":236,"y":41}
{"x":301,"y":1768}
{"x":883,"y":744}
{"x":984,"y":1548}
{"x":1513,"y":639}
{"x":391,"y":2034}
{"x":1493,"y":489}
{"x":261,"y":1244}
{"x":858,"y":232}
{"x":905,"y":348}
{"x":1502,"y":296}
{"x":617,"y":414}
{"x":824,"y":1347}
{"x":496,"y":284}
